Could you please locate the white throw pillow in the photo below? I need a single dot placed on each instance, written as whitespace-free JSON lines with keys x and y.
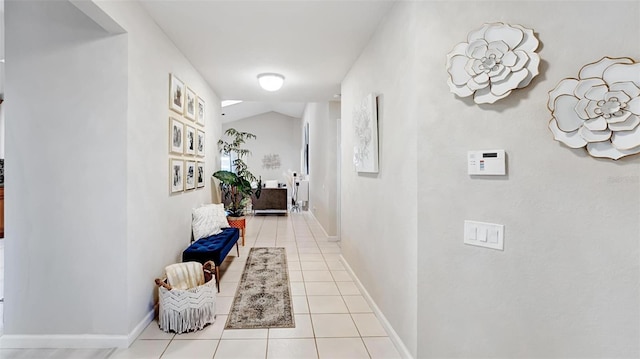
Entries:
{"x":271,"y":184}
{"x":205,"y":222}
{"x":221,"y":215}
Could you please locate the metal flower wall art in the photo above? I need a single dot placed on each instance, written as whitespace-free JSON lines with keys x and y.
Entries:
{"x":600,"y":110}
{"x":496,"y":59}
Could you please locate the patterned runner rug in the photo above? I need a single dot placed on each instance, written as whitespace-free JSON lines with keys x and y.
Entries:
{"x":263,"y":299}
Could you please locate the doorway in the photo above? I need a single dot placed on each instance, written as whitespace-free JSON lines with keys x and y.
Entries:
{"x":338,"y":179}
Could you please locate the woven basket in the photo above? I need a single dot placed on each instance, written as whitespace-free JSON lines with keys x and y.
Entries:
{"x":187,"y":310}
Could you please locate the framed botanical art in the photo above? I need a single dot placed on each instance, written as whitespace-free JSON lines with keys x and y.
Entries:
{"x":176,"y":94}
{"x":365,"y":135}
{"x":176,"y":175}
{"x":200,"y":111}
{"x":176,"y":136}
{"x":190,"y":105}
{"x":200,"y":148}
{"x":200,"y":174}
{"x":190,"y":175}
{"x":190,"y":140}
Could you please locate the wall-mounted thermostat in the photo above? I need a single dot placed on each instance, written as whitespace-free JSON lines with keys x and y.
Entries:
{"x":487,"y":163}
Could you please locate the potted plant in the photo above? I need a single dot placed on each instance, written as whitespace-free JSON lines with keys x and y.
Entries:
{"x":236,"y":185}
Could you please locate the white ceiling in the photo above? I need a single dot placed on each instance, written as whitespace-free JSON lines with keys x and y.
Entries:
{"x":312,"y":43}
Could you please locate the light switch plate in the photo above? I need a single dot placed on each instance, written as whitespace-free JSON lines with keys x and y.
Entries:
{"x":481,"y":234}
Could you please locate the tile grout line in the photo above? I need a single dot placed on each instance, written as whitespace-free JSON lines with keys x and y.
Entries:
{"x":275,"y":242}
{"x":166,"y":347}
{"x":341,"y":298}
{"x":313,"y":329}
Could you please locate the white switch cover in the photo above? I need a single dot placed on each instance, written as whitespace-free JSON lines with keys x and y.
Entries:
{"x":483,"y":234}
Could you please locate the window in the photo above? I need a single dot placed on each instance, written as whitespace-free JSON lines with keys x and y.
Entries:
{"x":225,"y":163}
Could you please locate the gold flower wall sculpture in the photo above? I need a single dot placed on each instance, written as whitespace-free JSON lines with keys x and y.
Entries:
{"x":496,"y":59}
{"x":600,"y":110}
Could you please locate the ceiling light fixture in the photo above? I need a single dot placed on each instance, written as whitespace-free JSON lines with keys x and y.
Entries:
{"x":271,"y":81}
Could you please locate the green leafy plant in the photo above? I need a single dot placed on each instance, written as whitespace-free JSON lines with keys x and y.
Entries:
{"x":236,"y":185}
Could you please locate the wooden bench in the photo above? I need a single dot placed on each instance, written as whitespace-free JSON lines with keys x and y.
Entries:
{"x":214,"y":248}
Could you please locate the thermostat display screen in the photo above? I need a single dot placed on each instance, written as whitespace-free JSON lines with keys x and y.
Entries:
{"x":489,"y":155}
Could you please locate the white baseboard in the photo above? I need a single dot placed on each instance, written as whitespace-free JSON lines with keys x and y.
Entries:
{"x":79,"y":341}
{"x":140,"y":327}
{"x":395,"y":338}
{"x":74,"y":341}
{"x":329,"y":238}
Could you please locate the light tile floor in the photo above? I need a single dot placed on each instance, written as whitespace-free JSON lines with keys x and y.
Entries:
{"x":333,"y":320}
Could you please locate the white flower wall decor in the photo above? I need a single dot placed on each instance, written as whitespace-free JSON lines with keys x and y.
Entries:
{"x":600,"y":110}
{"x":271,"y":161}
{"x":496,"y":59}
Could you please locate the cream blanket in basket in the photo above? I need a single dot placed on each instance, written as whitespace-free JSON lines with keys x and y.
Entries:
{"x":185,"y":275}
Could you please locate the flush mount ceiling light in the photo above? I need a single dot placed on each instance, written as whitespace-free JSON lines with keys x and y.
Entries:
{"x":271,"y":81}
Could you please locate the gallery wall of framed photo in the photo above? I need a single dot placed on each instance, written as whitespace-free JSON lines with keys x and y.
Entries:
{"x":186,"y":137}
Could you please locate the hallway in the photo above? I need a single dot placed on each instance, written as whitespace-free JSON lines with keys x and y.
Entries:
{"x":333,"y":320}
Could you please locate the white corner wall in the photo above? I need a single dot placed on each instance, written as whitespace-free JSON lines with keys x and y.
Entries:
{"x":66,"y":174}
{"x":89,"y":218}
{"x":159,"y":224}
{"x":322,"y":119}
{"x":275,"y":134}
{"x":379,"y":211}
{"x":568,"y":282}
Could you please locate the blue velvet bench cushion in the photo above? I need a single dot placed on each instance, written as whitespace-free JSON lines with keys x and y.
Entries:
{"x":214,"y":248}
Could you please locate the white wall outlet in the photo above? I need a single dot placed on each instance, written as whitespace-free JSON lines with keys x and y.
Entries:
{"x":483,"y":234}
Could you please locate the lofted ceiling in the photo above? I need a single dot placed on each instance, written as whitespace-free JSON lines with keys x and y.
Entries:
{"x":251,"y":108}
{"x":312,"y":43}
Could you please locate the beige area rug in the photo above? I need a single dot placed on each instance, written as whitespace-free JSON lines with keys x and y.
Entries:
{"x":263,"y":298}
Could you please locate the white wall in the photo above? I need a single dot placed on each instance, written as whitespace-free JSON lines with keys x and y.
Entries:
{"x":379,"y":221}
{"x":275,"y":134}
{"x":2,"y":78}
{"x":567,"y":283}
{"x":321,"y":118}
{"x":66,"y":183}
{"x":90,"y":221}
{"x":159,"y":224}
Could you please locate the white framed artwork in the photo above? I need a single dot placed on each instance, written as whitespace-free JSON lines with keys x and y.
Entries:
{"x":176,"y":136}
{"x":190,"y":140}
{"x":200,"y":144}
{"x":200,"y":174}
{"x":190,"y":175}
{"x":176,"y":175}
{"x":176,"y":94}
{"x":200,"y":111}
{"x":365,"y":135}
{"x":190,"y":105}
